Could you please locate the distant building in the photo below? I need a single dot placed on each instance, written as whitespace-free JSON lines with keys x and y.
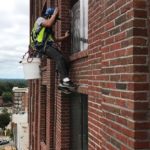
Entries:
{"x":21,"y":131}
{"x":20,"y":118}
{"x":20,"y":99}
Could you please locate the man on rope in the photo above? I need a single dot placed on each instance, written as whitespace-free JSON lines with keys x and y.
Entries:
{"x":43,"y":39}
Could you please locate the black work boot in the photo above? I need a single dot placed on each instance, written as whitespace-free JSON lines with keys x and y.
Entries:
{"x":67,"y":84}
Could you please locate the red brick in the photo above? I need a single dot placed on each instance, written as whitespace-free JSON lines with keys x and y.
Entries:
{"x":115,"y":70}
{"x":140,"y":13}
{"x":139,"y":4}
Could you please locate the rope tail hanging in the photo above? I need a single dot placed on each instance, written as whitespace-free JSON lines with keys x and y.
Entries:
{"x":30,"y":56}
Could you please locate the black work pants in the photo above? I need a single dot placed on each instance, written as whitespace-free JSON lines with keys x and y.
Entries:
{"x":62,"y":65}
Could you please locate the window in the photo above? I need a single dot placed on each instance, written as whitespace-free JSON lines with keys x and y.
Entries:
{"x":43,"y":113}
{"x":84,"y":24}
{"x":79,"y":122}
{"x":79,"y":25}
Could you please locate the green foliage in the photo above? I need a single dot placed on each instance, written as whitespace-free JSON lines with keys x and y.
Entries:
{"x":5,"y":110}
{"x":6,"y":85}
{"x":4,"y":120}
{"x":7,"y":97}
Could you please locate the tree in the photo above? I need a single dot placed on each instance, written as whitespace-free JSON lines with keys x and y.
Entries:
{"x":4,"y":120}
{"x":7,"y":97}
{"x":5,"y":110}
{"x":2,"y":88}
{"x":6,"y":85}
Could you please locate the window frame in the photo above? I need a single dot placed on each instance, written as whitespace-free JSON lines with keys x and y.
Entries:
{"x":79,"y":26}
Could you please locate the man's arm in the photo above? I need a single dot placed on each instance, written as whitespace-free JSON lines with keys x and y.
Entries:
{"x":60,"y":39}
{"x":49,"y":22}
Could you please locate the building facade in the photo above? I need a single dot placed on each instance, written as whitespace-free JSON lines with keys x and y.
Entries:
{"x":20,"y":99}
{"x":20,"y":131}
{"x":109,"y":58}
{"x":20,"y":126}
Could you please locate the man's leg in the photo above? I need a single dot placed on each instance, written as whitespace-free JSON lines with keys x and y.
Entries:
{"x":62,"y":66}
{"x":61,"y":63}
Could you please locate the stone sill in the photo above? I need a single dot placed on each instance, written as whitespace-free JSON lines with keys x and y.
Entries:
{"x":79,"y":55}
{"x":44,"y":68}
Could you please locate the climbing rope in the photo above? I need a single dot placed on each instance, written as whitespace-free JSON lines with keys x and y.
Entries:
{"x":30,"y":57}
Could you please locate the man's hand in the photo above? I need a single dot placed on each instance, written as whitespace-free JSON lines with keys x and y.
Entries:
{"x":56,"y":11}
{"x":67,"y":34}
{"x":60,"y":39}
{"x":50,"y":21}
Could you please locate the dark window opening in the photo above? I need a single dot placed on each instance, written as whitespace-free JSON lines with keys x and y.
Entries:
{"x":43,"y":114}
{"x":79,"y":122}
{"x":73,"y":2}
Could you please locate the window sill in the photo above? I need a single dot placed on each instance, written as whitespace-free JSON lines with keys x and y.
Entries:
{"x":83,"y":88}
{"x":43,"y":68}
{"x":79,"y":55}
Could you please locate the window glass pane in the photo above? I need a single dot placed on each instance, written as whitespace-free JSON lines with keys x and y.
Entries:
{"x":75,"y":27}
{"x":79,"y":26}
{"x":83,"y":24}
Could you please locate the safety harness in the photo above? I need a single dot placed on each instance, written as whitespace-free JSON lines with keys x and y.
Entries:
{"x":39,"y":38}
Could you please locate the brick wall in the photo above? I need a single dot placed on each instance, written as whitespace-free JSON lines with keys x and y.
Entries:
{"x":113,"y":72}
{"x":62,"y":110}
{"x":122,"y":105}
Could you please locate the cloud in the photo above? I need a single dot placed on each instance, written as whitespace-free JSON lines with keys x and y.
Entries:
{"x":14,"y":36}
{"x":21,"y":7}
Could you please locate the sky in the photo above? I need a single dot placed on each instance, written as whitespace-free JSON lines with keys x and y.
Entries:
{"x":14,"y":37}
